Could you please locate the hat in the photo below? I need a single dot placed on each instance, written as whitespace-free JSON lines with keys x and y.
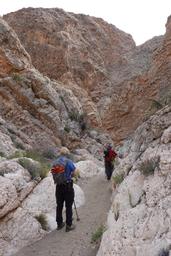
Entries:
{"x":64,"y":151}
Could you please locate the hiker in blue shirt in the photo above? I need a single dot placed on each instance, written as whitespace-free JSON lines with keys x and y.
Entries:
{"x":64,"y":188}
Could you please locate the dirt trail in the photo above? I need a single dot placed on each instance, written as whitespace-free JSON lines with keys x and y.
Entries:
{"x":92,"y":215}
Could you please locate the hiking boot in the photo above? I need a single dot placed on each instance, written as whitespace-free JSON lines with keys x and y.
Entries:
{"x":61,"y":226}
{"x":69,"y":228}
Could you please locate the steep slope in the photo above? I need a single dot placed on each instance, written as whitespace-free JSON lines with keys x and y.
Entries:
{"x":78,"y":50}
{"x":97,"y":61}
{"x":62,"y":43}
{"x":37,"y":115}
{"x":34,"y":110}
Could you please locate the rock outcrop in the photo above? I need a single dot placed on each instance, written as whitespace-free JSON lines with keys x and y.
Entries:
{"x":34,"y":110}
{"x":139,"y":219}
{"x":99,"y":79}
{"x":28,"y":206}
{"x":35,"y":113}
{"x":97,"y":61}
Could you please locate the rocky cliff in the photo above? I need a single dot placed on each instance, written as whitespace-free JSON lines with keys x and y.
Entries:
{"x":139,"y":219}
{"x":115,"y":81}
{"x":97,"y":61}
{"x":93,"y":75}
{"x":35,"y":111}
{"x":37,"y":116}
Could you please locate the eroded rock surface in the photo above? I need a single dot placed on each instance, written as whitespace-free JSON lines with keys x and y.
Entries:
{"x":139,"y":219}
{"x":114,"y":80}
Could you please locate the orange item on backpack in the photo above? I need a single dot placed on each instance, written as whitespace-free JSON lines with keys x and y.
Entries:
{"x":58,"y":169}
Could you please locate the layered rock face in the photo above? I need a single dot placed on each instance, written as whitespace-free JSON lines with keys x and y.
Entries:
{"x":81,"y":51}
{"x":115,"y":81}
{"x":34,"y":110}
{"x":35,"y":113}
{"x":102,"y":73}
{"x":139,"y":219}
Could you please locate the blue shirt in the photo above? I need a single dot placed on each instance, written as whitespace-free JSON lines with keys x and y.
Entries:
{"x":69,"y":166}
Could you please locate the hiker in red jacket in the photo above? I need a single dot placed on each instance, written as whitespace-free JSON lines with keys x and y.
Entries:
{"x":109,"y":157}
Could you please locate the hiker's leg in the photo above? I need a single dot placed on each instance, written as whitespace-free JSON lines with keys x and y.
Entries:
{"x":60,"y":203}
{"x":108,"y":170}
{"x":69,"y":199}
{"x":111,"y":168}
{"x":110,"y":174}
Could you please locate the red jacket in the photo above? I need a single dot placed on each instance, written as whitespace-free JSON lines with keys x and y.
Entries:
{"x":110,"y":155}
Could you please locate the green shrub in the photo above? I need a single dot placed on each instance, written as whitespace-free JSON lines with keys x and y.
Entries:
{"x":61,"y":97}
{"x":83,"y":121}
{"x":168,"y":100}
{"x":153,"y":108}
{"x":97,"y":235}
{"x":74,"y":116}
{"x":49,"y":153}
{"x":44,"y":164}
{"x":41,"y":218}
{"x":17,"y":77}
{"x":41,"y":169}
{"x":156,"y":105}
{"x":118,"y":178}
{"x":19,"y":145}
{"x":32,"y":168}
{"x":17,"y":154}
{"x":67,"y":129}
{"x":11,"y":130}
{"x":2,"y":154}
{"x":44,"y":170}
{"x":36,"y":170}
{"x":165,"y":95}
{"x":35,"y":155}
{"x":2,"y":172}
{"x":148,"y":166}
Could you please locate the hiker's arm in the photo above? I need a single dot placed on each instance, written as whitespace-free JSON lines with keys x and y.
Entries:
{"x":73,"y":169}
{"x":76,"y":173}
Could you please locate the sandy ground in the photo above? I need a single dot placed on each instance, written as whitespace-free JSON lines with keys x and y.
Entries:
{"x":92,"y":215}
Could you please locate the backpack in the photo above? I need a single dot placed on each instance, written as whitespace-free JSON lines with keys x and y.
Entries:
{"x":58,"y":171}
{"x":109,"y":155}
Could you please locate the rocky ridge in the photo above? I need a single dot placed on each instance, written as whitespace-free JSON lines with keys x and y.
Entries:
{"x":35,"y":111}
{"x":98,"y":62}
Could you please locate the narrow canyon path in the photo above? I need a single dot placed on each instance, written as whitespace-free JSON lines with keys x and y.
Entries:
{"x":92,"y":215}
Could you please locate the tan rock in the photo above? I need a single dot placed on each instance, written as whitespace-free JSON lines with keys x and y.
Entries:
{"x":13,"y":56}
{"x":114,"y":80}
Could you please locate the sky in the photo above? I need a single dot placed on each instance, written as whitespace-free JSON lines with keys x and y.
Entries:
{"x":143,"y":19}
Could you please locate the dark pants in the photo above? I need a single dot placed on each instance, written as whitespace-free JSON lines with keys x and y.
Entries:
{"x":64,"y":193}
{"x":108,"y":169}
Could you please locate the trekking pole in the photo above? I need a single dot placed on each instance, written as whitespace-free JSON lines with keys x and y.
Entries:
{"x":78,"y":219}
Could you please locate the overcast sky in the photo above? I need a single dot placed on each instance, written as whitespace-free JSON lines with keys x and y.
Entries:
{"x":143,"y":19}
